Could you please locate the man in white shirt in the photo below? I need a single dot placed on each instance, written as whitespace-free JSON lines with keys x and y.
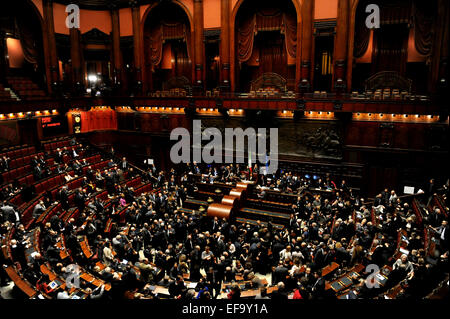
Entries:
{"x":286,"y":254}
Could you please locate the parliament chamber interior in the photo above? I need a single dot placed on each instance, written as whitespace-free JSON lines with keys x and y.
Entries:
{"x":94,"y":206}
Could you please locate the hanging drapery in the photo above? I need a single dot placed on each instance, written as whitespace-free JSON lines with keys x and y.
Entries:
{"x":289,"y":29}
{"x":155,"y":45}
{"x":27,"y":40}
{"x":267,"y":20}
{"x":173,"y":31}
{"x":164,"y":32}
{"x":395,"y":12}
{"x":362,"y":33}
{"x":245,"y":38}
{"x":423,"y":27}
{"x":391,"y":48}
{"x":98,"y":119}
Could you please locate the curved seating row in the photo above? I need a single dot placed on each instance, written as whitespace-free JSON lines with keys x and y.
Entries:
{"x":23,"y":151}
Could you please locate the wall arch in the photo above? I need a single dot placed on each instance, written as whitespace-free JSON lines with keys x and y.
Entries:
{"x":190,"y":46}
{"x":234,"y":12}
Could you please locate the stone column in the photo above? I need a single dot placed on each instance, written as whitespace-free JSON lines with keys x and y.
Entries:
{"x":51,"y":42}
{"x":225,"y":45}
{"x":116,"y":53}
{"x":137,"y":45}
{"x":75,"y":56}
{"x":341,"y":47}
{"x":199,"y":45}
{"x":306,"y":45}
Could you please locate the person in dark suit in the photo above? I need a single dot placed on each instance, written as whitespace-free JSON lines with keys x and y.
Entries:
{"x":177,"y":288}
{"x":80,"y":198}
{"x":280,"y":294}
{"x":318,"y":289}
{"x":124,"y":164}
{"x":442,"y":232}
{"x":38,"y":209}
{"x":38,"y":172}
{"x":64,"y":198}
{"x":59,"y":156}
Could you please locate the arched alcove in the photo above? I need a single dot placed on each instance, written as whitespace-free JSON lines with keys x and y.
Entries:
{"x":265,"y":44}
{"x":168,"y":50}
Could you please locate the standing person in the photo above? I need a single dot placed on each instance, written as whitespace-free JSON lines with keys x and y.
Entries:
{"x":207,"y":257}
{"x":430,"y":190}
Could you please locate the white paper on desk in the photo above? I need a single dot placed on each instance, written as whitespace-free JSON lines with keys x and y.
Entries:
{"x":192,"y":285}
{"x":53,"y":285}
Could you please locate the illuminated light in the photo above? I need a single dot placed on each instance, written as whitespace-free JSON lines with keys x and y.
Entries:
{"x":54,"y":111}
{"x":284,"y":112}
{"x":92,"y":78}
{"x":28,"y":113}
{"x":417,"y":115}
{"x":177,"y":108}
{"x":232,"y":110}
{"x":319,"y":113}
{"x":328,"y":113}
{"x":11,"y":115}
{"x":393,"y":115}
{"x":204,"y":110}
{"x":211,"y":110}
{"x":370,"y":114}
{"x":381,"y":114}
{"x":310,"y":112}
{"x":406,"y":115}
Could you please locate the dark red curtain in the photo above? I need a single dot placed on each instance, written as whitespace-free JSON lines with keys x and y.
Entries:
{"x":269,"y":20}
{"x":162,"y":33}
{"x":362,"y":33}
{"x":98,"y":119}
{"x":272,"y":54}
{"x":290,"y":33}
{"x":266,"y":20}
{"x":391,"y":48}
{"x":28,"y":39}
{"x":395,"y":12}
{"x":245,"y":38}
{"x":155,"y":44}
{"x":423,"y":16}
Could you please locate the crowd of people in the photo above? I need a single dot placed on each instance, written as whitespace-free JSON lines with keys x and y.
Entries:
{"x":160,"y":244}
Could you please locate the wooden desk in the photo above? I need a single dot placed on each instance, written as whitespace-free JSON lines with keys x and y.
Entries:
{"x":86,"y":248}
{"x":329,"y":269}
{"x":94,"y":280}
{"x":63,"y":253}
{"x":52,"y":276}
{"x":344,"y":281}
{"x":21,"y":283}
{"x":251,"y":293}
